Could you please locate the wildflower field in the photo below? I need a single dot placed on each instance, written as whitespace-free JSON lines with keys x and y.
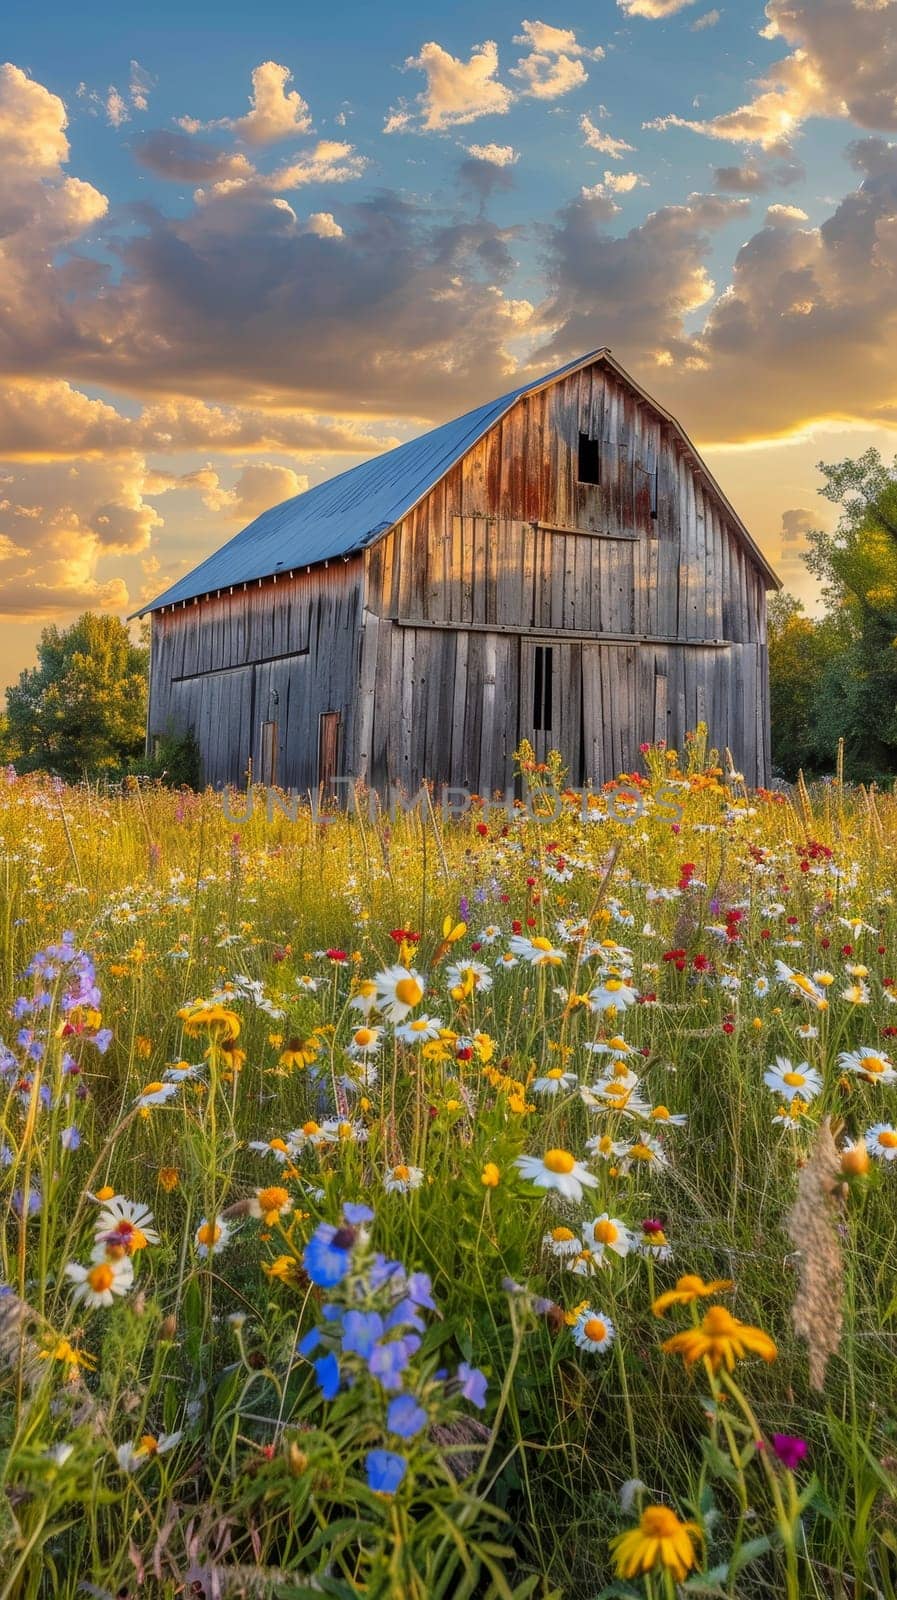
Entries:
{"x":433,"y":1207}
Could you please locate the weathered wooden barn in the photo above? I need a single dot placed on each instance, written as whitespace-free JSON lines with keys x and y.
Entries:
{"x":558,"y":565}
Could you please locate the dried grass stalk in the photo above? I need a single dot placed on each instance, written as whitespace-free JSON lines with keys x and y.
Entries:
{"x":812,"y":1227}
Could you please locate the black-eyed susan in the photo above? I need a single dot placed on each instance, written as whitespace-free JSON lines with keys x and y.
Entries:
{"x":300,"y":1051}
{"x":661,"y":1541}
{"x":721,"y":1340}
{"x":689,"y":1288}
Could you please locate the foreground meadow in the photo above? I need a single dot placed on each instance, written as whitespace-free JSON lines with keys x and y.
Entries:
{"x":428,"y":1207}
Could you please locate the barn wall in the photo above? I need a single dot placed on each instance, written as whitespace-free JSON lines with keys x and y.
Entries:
{"x":451,"y":704}
{"x":282,"y":653}
{"x":510,"y":544}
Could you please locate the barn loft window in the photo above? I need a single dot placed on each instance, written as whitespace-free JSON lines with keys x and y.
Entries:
{"x":543,"y":663}
{"x":589,"y":465}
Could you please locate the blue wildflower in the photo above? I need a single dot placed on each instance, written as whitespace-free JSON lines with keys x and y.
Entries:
{"x":326,"y":1258}
{"x":388,"y":1361}
{"x":420,"y":1290}
{"x":405,"y":1417}
{"x":355,"y":1213}
{"x":327,"y":1374}
{"x":473,"y":1385}
{"x":385,"y":1471}
{"x":361,"y":1330}
{"x":308,"y":1343}
{"x":70,"y":1138}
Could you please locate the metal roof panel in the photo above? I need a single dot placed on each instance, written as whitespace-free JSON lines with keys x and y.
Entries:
{"x":345,"y":513}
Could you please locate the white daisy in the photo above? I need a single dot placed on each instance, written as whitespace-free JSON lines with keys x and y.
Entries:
{"x":311,"y":1133}
{"x":670,"y":1119}
{"x":339,"y":1131}
{"x":366,"y":1041}
{"x":212,"y":1237}
{"x":608,"y":1233}
{"x":869,"y":1063}
{"x":507,"y":960}
{"x":399,"y":990}
{"x":126,"y":1222}
{"x":419,"y":1030}
{"x":155,"y":1094}
{"x":613,"y":991}
{"x":132,"y":1456}
{"x":605,"y":1147}
{"x":584,"y":1264}
{"x":559,"y":1170}
{"x":562,"y":1242}
{"x":277,"y":1148}
{"x":857,"y":993}
{"x":593,"y":1331}
{"x":801,"y":1082}
{"x":98,"y":1285}
{"x":490,"y":935}
{"x":555,"y":1081}
{"x":881,"y":1141}
{"x":467,"y":977}
{"x":307,"y":983}
{"x":365,"y":997}
{"x":401,"y":1179}
{"x":539,"y":952}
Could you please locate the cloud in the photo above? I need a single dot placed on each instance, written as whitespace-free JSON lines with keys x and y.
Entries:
{"x":615,"y":183}
{"x":43,"y":420}
{"x":324,"y":224}
{"x":843,"y":63}
{"x":806,"y":329}
{"x":328,"y":161}
{"x":784,"y":216}
{"x":709,"y":20}
{"x":753,"y":177}
{"x":604,"y":143}
{"x":653,"y":9}
{"x":32,"y":124}
{"x":140,"y":83}
{"x":260,"y":484}
{"x":275,"y":113}
{"x":457,"y":91}
{"x":632,"y":291}
{"x":179,"y":156}
{"x":553,"y":65}
{"x":59,"y":523}
{"x":116,"y":108}
{"x":498,"y":155}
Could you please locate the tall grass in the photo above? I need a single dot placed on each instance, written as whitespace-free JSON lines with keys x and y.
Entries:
{"x":192,"y":1433}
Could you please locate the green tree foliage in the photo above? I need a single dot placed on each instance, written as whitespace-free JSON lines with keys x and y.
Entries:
{"x":836,"y":677}
{"x":802,"y":652}
{"x":82,"y":709}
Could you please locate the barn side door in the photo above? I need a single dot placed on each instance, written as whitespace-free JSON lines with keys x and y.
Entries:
{"x":551,"y":700}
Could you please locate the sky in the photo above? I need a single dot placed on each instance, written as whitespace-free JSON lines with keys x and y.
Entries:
{"x":243,"y":248}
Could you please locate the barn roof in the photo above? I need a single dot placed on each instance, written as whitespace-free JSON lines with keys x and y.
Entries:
{"x":347,"y":512}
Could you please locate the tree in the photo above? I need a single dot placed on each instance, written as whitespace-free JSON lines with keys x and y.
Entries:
{"x":802,"y":653}
{"x":857,"y":568}
{"x":82,"y":709}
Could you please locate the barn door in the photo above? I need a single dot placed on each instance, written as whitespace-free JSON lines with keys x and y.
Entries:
{"x":551,"y":700}
{"x":328,"y":751}
{"x":612,"y":713}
